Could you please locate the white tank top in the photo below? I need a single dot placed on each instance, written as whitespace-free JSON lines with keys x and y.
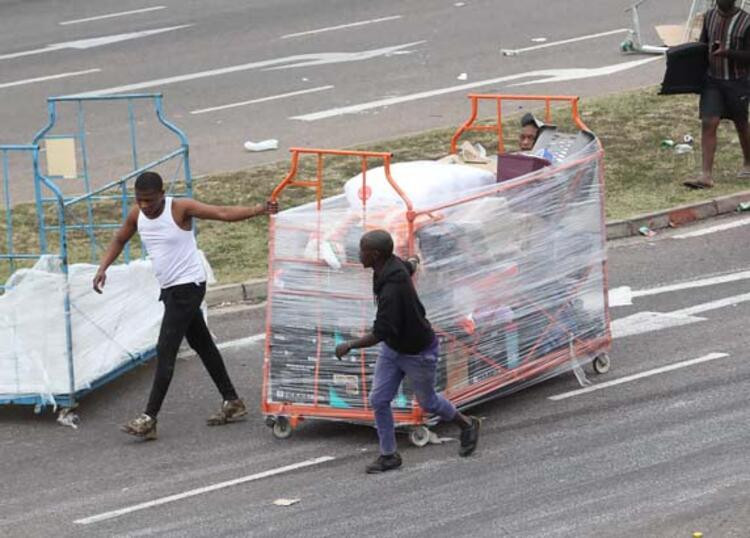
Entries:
{"x":172,"y":250}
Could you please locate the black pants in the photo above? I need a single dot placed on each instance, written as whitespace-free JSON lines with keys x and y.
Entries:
{"x":183,"y":318}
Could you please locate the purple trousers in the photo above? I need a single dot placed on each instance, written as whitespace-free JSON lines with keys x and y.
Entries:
{"x":390,"y":369}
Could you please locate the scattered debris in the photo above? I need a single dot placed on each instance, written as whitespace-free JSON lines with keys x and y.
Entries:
{"x":744,"y":206}
{"x":681,"y":149}
{"x":646,"y":231}
{"x":667,"y":143}
{"x":460,"y":4}
{"x":509,"y":52}
{"x":437,"y":440}
{"x":463,"y":76}
{"x":285,"y":502}
{"x":538,"y":39}
{"x":263,"y":145}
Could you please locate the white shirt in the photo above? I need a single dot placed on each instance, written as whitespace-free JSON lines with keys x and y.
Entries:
{"x":172,"y":250}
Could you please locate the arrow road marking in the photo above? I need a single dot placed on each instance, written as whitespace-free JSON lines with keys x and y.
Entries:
{"x":298,"y":60}
{"x":82,"y":44}
{"x":552,"y":75}
{"x":645,"y":322}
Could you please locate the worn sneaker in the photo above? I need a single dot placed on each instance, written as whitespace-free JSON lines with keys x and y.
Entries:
{"x":384,"y":463}
{"x":231,"y":411}
{"x":143,"y":426}
{"x":469,"y":438}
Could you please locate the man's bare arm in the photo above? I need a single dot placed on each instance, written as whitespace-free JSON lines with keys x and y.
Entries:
{"x":196,"y":209}
{"x":122,"y":236}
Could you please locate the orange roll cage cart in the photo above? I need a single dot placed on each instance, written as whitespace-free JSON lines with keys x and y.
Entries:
{"x":283,"y":415}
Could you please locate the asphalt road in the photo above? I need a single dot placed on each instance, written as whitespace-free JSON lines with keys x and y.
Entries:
{"x":290,"y":59}
{"x":659,"y":454}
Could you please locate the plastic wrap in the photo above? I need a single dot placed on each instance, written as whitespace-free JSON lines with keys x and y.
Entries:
{"x":512,"y":278}
{"x":108,"y":330}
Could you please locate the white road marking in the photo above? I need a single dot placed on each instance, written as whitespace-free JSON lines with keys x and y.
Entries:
{"x":342,"y":26}
{"x":565,"y":75}
{"x":262,"y":99}
{"x":322,"y":58}
{"x":571,"y":74}
{"x":714,"y":229}
{"x":644,"y":322}
{"x":82,"y":44}
{"x":514,"y":52}
{"x":623,"y":295}
{"x":712,"y":305}
{"x":50,"y":77}
{"x":200,"y":491}
{"x":242,"y":342}
{"x":700,"y":283}
{"x":112,"y":15}
{"x":641,"y":375}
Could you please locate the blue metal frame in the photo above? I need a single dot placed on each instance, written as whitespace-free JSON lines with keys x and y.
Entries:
{"x":10,"y":255}
{"x":89,"y":197}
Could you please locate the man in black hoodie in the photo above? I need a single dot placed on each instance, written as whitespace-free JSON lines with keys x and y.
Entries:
{"x":409,"y":347}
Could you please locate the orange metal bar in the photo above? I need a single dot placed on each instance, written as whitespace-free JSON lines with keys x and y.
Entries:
{"x":499,"y":99}
{"x":318,"y":184}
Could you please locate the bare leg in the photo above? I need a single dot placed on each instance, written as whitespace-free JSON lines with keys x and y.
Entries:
{"x":708,"y":143}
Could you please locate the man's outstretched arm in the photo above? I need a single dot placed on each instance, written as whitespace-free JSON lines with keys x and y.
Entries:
{"x":123,"y":235}
{"x":225,"y":213}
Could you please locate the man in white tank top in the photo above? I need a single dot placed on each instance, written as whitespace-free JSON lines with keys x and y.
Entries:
{"x":165,"y":226}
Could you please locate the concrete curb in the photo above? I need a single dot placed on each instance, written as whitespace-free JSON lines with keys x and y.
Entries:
{"x":676,"y":216}
{"x":254,"y":291}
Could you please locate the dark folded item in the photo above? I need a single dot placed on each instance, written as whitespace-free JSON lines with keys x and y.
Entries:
{"x":687,"y":67}
{"x":510,"y":165}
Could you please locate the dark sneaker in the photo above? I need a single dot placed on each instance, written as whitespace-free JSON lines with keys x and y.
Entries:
{"x":469,"y":438}
{"x":231,"y":411}
{"x":143,"y":426}
{"x":384,"y":463}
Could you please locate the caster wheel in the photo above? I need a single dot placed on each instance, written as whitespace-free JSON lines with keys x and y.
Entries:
{"x":281,"y":428}
{"x":601,"y":364}
{"x":626,"y":46}
{"x":270,"y":421}
{"x":419,"y":436}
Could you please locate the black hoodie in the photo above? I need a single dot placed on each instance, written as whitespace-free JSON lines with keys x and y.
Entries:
{"x":400,"y":321}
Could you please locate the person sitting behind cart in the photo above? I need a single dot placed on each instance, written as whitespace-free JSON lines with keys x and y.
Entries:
{"x":408,"y":347}
{"x":530,"y":127}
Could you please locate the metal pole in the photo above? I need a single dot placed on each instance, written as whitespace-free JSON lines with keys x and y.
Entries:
{"x":8,"y":212}
{"x":86,"y":183}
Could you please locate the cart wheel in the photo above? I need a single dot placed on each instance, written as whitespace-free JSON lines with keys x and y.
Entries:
{"x":270,"y":421}
{"x":420,"y":436}
{"x":601,"y":363}
{"x":281,"y":428}
{"x":627,"y":46}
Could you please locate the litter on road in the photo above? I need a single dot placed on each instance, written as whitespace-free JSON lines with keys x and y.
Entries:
{"x":263,"y":145}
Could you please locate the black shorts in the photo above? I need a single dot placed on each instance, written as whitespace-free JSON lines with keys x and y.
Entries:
{"x":725,"y":99}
